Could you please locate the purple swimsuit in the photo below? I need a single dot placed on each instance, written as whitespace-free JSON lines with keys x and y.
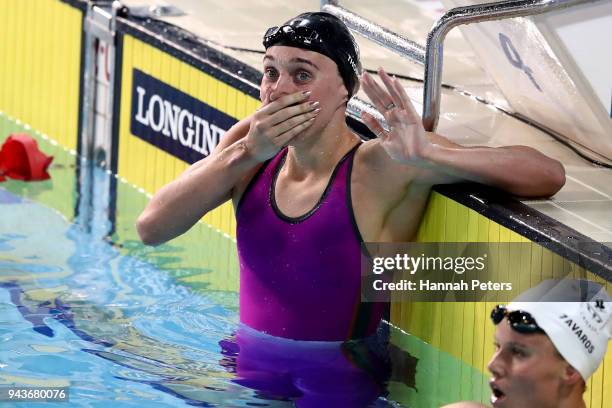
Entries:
{"x":300,"y":277}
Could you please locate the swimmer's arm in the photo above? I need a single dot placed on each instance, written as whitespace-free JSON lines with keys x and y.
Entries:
{"x":177,"y":206}
{"x":205,"y":185}
{"x":519,"y":170}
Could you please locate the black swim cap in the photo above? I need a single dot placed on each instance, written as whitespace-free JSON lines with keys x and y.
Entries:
{"x":323,"y":33}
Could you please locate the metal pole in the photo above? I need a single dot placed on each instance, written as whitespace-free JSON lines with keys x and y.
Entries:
{"x":376,"y":33}
{"x":467,"y":15}
{"x":356,"y":106}
{"x":326,"y":2}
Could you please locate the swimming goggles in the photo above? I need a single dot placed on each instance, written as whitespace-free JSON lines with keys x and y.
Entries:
{"x":520,"y":321}
{"x":302,"y":35}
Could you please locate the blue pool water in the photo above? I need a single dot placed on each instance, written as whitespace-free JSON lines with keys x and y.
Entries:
{"x":119,"y":331}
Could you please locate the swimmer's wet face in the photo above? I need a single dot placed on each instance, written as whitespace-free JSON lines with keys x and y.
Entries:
{"x":324,"y":34}
{"x":312,"y":52}
{"x":289,"y":70}
{"x":527,"y":370}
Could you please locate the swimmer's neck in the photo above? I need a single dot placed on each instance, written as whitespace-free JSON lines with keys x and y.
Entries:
{"x":580,"y":403}
{"x":573,"y":400}
{"x":316,"y":155}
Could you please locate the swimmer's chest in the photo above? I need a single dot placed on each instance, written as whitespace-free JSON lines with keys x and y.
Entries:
{"x":296,"y":198}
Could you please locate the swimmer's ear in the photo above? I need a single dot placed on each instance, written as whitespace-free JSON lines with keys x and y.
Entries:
{"x":571,"y":376}
{"x":345,"y":97}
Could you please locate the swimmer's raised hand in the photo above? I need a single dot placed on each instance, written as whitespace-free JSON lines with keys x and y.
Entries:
{"x":519,"y":170}
{"x":406,"y":141}
{"x":275,"y":124}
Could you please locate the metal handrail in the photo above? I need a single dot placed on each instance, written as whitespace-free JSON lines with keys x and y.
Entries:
{"x":435,"y":41}
{"x":467,"y":15}
{"x":376,"y":33}
{"x":380,"y":35}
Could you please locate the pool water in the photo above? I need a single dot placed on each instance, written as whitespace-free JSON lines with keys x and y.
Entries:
{"x":84,"y":305}
{"x":74,"y":311}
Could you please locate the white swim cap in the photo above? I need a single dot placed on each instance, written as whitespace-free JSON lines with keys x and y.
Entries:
{"x":577,"y":317}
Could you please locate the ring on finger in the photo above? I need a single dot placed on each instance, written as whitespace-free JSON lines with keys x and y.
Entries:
{"x":389,"y":106}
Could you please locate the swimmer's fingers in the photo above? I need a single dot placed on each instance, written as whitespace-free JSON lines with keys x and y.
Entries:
{"x":405,"y":115}
{"x":379,"y":97}
{"x":265,"y":127}
{"x":261,"y":138}
{"x":372,"y":123}
{"x":292,"y":122}
{"x":406,"y":102}
{"x":390,"y":83}
{"x":283,"y":102}
{"x":290,"y":112}
{"x":284,"y":138}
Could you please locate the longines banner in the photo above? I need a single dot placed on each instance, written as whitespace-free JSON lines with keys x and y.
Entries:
{"x":173,"y":121}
